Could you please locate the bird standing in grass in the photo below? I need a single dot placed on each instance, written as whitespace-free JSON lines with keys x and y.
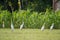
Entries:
{"x":3,"y":25}
{"x":42,"y":28}
{"x":12,"y":26}
{"x":21,"y":26}
{"x":52,"y":26}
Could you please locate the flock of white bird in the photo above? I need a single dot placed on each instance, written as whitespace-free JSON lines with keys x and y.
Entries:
{"x":43,"y":27}
{"x":22,"y":25}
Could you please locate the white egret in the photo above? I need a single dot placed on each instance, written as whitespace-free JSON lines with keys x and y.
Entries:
{"x":43,"y":26}
{"x":12,"y":26}
{"x":52,"y":26}
{"x":3,"y":25}
{"x":21,"y":26}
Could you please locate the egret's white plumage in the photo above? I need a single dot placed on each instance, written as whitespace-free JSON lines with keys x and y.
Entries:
{"x":52,"y":26}
{"x":43,"y":26}
{"x":12,"y":26}
{"x":3,"y":25}
{"x":21,"y":26}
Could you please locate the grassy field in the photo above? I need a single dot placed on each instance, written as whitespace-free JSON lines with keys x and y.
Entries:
{"x":29,"y":34}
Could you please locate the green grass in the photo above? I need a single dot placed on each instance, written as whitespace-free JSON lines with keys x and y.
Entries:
{"x":29,"y":34}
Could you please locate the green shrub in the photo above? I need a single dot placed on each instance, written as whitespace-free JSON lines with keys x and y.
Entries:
{"x":6,"y":17}
{"x":30,"y":19}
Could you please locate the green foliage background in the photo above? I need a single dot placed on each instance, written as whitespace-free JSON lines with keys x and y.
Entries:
{"x":30,"y":19}
{"x":33,"y":5}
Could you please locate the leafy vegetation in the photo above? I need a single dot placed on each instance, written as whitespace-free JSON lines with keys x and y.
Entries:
{"x":30,"y":19}
{"x":33,"y":5}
